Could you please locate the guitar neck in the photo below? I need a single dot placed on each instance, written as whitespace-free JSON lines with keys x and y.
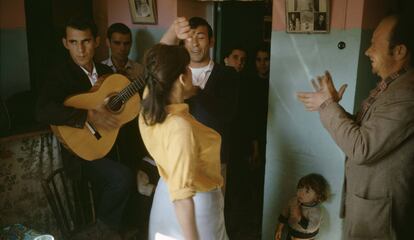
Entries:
{"x":135,"y":86}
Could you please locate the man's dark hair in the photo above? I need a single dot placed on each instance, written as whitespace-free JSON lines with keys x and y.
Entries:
{"x":403,"y":33}
{"x":118,"y":28}
{"x":235,"y":47}
{"x":198,"y":21}
{"x":82,"y":23}
{"x":317,"y":183}
{"x":263,"y":47}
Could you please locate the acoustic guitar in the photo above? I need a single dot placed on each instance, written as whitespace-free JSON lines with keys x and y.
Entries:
{"x":119,"y":96}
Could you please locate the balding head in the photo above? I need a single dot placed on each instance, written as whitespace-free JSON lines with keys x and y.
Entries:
{"x":389,"y":51}
{"x":402,"y":34}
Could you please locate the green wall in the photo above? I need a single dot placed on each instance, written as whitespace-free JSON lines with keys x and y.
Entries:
{"x":143,"y":39}
{"x":297,"y":144}
{"x":14,"y":62}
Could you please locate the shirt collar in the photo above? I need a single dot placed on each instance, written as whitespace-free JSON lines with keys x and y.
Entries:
{"x":386,"y":82}
{"x":93,"y":69}
{"x":128,"y":64}
{"x":93,"y":77}
{"x":207,"y":68}
{"x":201,"y":75}
{"x":312,"y":204}
{"x":109,"y":63}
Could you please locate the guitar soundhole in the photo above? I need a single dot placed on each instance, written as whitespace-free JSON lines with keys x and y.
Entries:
{"x":114,"y":105}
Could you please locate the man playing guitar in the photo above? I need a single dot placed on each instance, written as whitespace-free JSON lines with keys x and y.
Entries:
{"x":112,"y":180}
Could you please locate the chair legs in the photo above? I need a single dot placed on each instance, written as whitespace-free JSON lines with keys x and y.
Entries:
{"x":71,"y":202}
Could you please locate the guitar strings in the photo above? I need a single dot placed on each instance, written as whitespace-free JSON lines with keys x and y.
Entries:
{"x":127,"y":92}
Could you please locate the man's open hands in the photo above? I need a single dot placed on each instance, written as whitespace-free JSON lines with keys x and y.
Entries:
{"x":324,"y":90}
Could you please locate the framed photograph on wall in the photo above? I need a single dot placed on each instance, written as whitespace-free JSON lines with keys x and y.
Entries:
{"x":307,"y":16}
{"x":143,"y":11}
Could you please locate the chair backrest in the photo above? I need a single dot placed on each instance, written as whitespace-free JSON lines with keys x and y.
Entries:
{"x":71,"y":202}
{"x":5,"y":124}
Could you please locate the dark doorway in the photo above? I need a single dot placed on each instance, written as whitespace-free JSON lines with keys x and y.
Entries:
{"x":246,"y":25}
{"x":242,"y":24}
{"x":44,"y":23}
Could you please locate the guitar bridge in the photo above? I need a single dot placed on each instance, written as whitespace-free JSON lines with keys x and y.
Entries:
{"x":93,"y":130}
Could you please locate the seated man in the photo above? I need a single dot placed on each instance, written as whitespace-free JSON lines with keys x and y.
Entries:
{"x":119,"y":41}
{"x":130,"y":147}
{"x":111,"y":180}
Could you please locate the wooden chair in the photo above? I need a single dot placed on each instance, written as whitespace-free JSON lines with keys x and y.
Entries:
{"x":5,"y":124}
{"x":72,"y":204}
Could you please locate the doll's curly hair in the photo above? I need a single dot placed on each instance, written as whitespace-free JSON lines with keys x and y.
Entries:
{"x":317,"y":183}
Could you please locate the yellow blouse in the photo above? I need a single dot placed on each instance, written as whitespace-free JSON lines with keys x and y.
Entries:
{"x":187,"y":153}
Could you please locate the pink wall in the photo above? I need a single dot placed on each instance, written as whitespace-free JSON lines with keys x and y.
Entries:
{"x":118,"y":11}
{"x":345,"y":14}
{"x":167,"y":11}
{"x":191,"y":8}
{"x":12,"y":14}
{"x":111,"y":11}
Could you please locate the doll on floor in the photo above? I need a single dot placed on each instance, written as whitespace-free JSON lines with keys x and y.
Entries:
{"x":302,"y":216}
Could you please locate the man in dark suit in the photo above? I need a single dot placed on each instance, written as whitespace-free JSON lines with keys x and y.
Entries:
{"x":378,"y":142}
{"x":217,"y":86}
{"x":130,"y":147}
{"x":111,"y":180}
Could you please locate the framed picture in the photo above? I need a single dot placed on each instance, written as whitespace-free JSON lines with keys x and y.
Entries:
{"x":143,"y":11}
{"x":307,"y":16}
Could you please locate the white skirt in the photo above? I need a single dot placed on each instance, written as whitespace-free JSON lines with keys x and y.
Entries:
{"x":209,"y":208}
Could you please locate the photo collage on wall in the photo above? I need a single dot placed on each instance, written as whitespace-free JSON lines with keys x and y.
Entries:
{"x":307,"y":16}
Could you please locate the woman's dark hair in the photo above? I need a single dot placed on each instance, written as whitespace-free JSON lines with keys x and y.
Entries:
{"x":163,"y":65}
{"x":317,"y":183}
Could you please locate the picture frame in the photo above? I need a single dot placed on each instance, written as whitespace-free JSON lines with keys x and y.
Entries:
{"x":307,"y":16}
{"x":143,"y":11}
